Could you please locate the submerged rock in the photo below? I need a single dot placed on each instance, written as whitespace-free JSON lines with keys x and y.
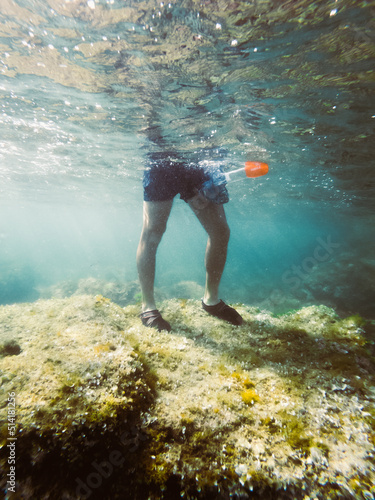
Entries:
{"x":121,"y":292}
{"x":185,"y":289}
{"x":281,"y":407}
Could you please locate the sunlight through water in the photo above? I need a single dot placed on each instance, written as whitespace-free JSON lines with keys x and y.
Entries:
{"x":88,"y":89}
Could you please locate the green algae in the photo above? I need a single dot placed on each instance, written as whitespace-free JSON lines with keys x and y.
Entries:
{"x":294,"y":430}
{"x":10,"y":348}
{"x":272,"y":425}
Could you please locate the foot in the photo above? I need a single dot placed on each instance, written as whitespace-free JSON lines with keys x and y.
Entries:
{"x":225,"y":312}
{"x":153,"y":319}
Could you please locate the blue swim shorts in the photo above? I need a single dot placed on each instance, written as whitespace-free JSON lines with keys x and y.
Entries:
{"x":167,"y":175}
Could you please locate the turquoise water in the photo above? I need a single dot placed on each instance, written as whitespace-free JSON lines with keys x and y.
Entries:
{"x":87,"y":89}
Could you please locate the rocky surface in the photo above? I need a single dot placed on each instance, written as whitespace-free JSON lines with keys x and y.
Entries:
{"x":281,"y":407}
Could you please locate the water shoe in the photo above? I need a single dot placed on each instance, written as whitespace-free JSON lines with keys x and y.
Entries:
{"x":223,"y":311}
{"x":153,"y":319}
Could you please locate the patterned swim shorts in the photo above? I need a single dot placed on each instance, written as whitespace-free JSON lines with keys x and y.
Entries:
{"x":167,"y":175}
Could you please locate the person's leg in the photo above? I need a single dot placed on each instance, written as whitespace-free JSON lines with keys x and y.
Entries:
{"x":213,"y":219}
{"x":155,"y":217}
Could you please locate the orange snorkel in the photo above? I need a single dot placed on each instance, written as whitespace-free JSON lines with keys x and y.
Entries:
{"x":251,"y":169}
{"x":214,"y":188}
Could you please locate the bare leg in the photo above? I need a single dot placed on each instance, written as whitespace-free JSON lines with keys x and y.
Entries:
{"x":155,"y":217}
{"x":213,"y":219}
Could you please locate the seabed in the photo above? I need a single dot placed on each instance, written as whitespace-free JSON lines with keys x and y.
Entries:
{"x":279,"y":408}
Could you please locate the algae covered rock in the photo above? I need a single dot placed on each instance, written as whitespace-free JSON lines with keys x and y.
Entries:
{"x":187,"y":290}
{"x":121,"y":292}
{"x":78,"y":384}
{"x":278,"y":408}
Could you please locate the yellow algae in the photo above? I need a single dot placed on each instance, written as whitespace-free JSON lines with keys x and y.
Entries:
{"x":183,"y":303}
{"x":248,"y":383}
{"x":102,"y":348}
{"x":244,"y":379}
{"x":99,"y":299}
{"x":250,"y":396}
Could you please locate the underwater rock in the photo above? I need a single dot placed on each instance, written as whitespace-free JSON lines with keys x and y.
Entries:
{"x":186,"y":290}
{"x":346,"y":282}
{"x":343,"y":283}
{"x":281,"y":407}
{"x":122,"y":293}
{"x":77,"y":380}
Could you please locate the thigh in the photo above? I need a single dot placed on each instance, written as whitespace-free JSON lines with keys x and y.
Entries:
{"x":212,"y":217}
{"x":155,"y":214}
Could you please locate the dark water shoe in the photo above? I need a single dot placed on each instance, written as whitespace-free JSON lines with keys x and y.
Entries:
{"x":225,"y":312}
{"x":153,"y":319}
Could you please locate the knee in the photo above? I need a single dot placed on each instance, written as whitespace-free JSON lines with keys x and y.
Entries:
{"x":153,"y":233}
{"x":226,"y":233}
{"x":221,"y":234}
